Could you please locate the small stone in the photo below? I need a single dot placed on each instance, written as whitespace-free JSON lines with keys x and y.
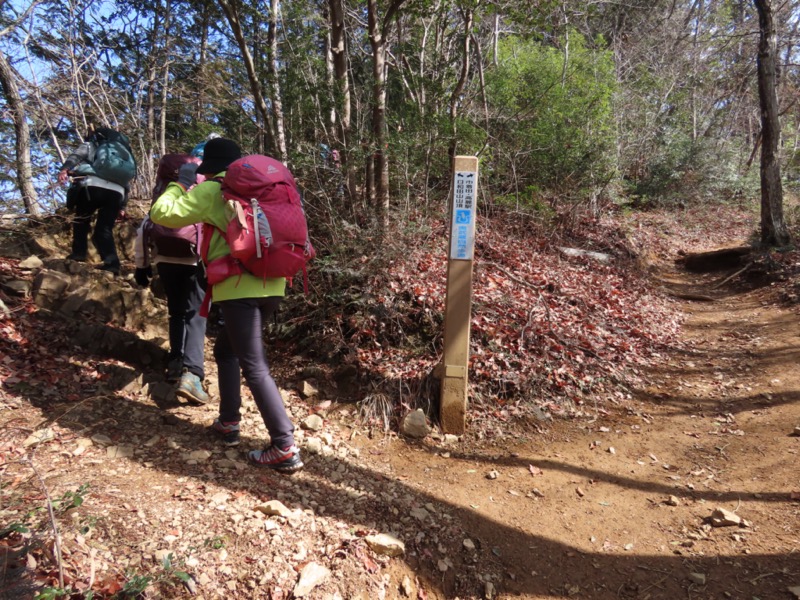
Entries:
{"x":220,"y":498}
{"x":796,"y":432}
{"x":311,"y":576}
{"x":101,"y":440}
{"x":492,"y":474}
{"x":698,"y":578}
{"x":415,"y":425}
{"x":312,"y":423}
{"x":30,"y":263}
{"x":612,"y":450}
{"x":322,"y":407}
{"x":488,"y":590}
{"x":406,"y":587}
{"x":308,"y":390}
{"x":672,"y":501}
{"x":468,"y":544}
{"x":275,"y":508}
{"x":197,"y":455}
{"x":314,"y":445}
{"x":121,"y":451}
{"x":385,"y":544}
{"x":795,"y":590}
{"x":420,"y":514}
{"x":38,"y":437}
{"x":724,"y":518}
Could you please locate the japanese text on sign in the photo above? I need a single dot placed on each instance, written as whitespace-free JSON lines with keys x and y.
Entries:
{"x":462,"y":241}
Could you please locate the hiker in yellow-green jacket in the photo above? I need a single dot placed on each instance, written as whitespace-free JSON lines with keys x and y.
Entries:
{"x":246,"y":302}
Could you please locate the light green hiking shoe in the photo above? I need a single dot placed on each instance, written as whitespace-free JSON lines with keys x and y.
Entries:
{"x":191,"y":388}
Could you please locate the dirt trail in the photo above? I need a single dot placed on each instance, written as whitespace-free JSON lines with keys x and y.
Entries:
{"x":617,"y":507}
{"x":612,"y":506}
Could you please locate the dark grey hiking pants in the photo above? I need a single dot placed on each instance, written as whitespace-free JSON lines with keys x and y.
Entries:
{"x":185,"y":287}
{"x":239,"y":349}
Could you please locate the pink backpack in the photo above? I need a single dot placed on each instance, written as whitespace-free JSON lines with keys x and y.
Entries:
{"x":267,"y":232}
{"x":183,"y":242}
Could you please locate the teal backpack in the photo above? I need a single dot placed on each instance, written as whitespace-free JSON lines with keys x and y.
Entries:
{"x":113,"y":159}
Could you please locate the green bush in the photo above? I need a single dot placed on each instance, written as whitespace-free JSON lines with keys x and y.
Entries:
{"x":552,"y":117}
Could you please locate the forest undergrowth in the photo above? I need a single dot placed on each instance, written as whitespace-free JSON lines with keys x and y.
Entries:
{"x":552,"y":334}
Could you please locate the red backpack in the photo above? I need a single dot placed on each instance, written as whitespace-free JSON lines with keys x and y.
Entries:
{"x":268,"y":233}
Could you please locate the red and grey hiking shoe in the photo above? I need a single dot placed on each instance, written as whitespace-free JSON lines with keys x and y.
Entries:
{"x":227,"y":431}
{"x":286,"y":460}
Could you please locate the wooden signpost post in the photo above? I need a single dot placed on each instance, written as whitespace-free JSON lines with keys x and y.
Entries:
{"x":458,"y":307}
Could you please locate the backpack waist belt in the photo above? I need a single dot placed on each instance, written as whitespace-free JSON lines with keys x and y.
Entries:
{"x":95,"y":181}
{"x":217,"y":271}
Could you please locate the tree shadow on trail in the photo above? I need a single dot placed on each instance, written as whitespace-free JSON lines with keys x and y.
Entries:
{"x":520,"y":563}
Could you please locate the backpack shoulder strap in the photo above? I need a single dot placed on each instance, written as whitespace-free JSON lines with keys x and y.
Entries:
{"x":147,"y":230}
{"x":208,"y":231}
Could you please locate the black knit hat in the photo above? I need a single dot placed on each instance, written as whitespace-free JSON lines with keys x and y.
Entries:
{"x":217,"y":155}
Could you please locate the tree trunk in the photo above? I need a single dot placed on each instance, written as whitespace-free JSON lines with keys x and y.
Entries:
{"x":773,"y":227}
{"x":482,"y":82}
{"x":339,"y":52}
{"x":467,"y":15}
{"x":378,"y":34}
{"x":22,"y":145}
{"x":152,"y":78}
{"x":202,"y":61}
{"x":377,"y":158}
{"x":274,"y":83}
{"x":330,"y":79}
{"x":162,"y":125}
{"x":232,"y":15}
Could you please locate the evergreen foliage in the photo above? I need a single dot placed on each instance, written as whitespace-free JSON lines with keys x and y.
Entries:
{"x":561,"y":101}
{"x":552,"y":118}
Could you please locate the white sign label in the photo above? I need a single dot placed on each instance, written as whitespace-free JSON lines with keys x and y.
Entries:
{"x":462,"y":230}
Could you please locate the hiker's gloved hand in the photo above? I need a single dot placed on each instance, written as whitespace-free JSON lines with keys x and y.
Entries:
{"x":143,"y":275}
{"x":187,"y":174}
